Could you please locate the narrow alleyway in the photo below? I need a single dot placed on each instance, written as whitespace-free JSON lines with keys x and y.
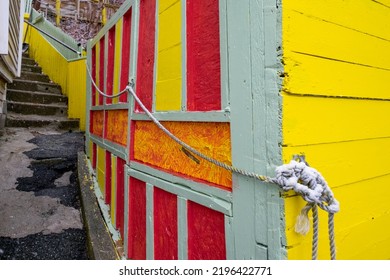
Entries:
{"x":39,"y":196}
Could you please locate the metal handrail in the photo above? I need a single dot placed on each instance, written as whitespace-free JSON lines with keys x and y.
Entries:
{"x":54,"y":38}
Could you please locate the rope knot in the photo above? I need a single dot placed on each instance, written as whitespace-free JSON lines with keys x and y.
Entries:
{"x":307,"y":182}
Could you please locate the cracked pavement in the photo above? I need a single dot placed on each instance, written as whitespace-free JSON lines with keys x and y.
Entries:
{"x":39,"y":195}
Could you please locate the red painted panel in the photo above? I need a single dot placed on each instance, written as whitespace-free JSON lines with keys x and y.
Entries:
{"x":203,"y":56}
{"x":145,"y":62}
{"x":101,"y":68}
{"x":165,"y":225}
{"x":107,"y":194}
{"x":110,"y":63}
{"x":94,"y":156}
{"x":125,"y":60}
{"x":120,"y":196}
{"x":206,"y":233}
{"x":137,"y":220}
{"x":93,"y":73}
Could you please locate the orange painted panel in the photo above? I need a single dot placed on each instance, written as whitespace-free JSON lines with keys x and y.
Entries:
{"x":97,"y":118}
{"x":116,"y":129}
{"x":153,"y":147}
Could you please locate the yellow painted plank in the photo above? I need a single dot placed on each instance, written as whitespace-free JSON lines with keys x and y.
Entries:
{"x":346,"y":162}
{"x":169,"y":58}
{"x":165,"y":99}
{"x":101,"y":167}
{"x":326,"y":120}
{"x":313,"y":75}
{"x":90,"y":154}
{"x":117,"y":62}
{"x":348,"y":13}
{"x":368,"y":240}
{"x":359,"y":203}
{"x":315,"y":36}
{"x":51,"y":61}
{"x":169,"y":26}
{"x":77,"y":80}
{"x":113,"y":190}
{"x":166,"y":4}
{"x":169,"y":62}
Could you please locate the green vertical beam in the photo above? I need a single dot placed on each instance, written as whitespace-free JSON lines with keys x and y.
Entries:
{"x":149,"y":222}
{"x":183,"y":55}
{"x":273,"y":84}
{"x":182,"y":229}
{"x":255,"y":126}
{"x":225,"y":99}
{"x":88,"y":101}
{"x":241,"y":126}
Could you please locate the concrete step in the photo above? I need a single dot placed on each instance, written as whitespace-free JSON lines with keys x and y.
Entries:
{"x":31,"y":68}
{"x":34,"y":77}
{"x":57,"y":122}
{"x":37,"y":109}
{"x":21,"y":84}
{"x":35,"y":97}
{"x":28,"y":61}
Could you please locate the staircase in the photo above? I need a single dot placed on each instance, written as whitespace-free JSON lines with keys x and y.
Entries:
{"x":34,"y":101}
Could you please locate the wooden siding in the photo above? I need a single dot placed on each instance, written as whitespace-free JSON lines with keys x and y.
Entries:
{"x":335,"y":111}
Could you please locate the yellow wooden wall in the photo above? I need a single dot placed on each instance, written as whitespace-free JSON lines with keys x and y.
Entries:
{"x":336,"y":111}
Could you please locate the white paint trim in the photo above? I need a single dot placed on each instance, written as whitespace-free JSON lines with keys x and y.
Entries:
{"x":4,"y":26}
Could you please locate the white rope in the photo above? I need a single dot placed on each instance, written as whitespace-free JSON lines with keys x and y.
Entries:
{"x":296,"y":176}
{"x":101,"y":92}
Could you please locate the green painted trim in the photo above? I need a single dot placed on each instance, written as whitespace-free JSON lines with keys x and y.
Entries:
{"x":255,"y":117}
{"x":88,"y":101}
{"x":206,"y":200}
{"x":273,"y":85}
{"x":261,"y":252}
{"x":113,"y":148}
{"x":259,"y":118}
{"x":97,"y":107}
{"x":183,"y":56}
{"x":186,"y":183}
{"x":118,"y":106}
{"x":119,"y":13}
{"x":77,"y":59}
{"x":229,"y":238}
{"x":126,"y":213}
{"x":215,"y":116}
{"x":149,"y":222}
{"x":225,"y":98}
{"x":240,"y":78}
{"x":182,"y":228}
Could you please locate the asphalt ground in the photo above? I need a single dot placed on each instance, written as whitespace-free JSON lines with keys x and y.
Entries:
{"x":40,"y":216}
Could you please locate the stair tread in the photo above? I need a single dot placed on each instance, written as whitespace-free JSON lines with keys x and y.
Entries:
{"x":34,"y":82}
{"x":21,"y":91}
{"x":53,"y":105}
{"x":16,"y":116}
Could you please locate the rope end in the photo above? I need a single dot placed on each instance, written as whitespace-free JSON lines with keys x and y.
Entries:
{"x":302,"y":225}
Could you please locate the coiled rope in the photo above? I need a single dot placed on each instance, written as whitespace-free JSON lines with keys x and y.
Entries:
{"x":296,"y":176}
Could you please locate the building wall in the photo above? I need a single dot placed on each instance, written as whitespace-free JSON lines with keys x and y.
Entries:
{"x":336,"y":112}
{"x":10,"y":60}
{"x":3,"y":107}
{"x":208,"y":70}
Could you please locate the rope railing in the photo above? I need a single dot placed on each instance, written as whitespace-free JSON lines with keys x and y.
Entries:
{"x":54,"y":38}
{"x":296,"y":176}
